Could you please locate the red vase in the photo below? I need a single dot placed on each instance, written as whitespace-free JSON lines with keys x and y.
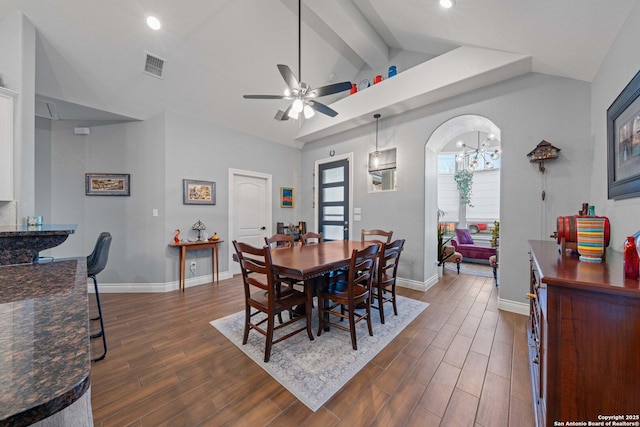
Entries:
{"x":631,"y":259}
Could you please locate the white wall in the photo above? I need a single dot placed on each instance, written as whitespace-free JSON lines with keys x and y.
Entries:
{"x":617,"y":69}
{"x":527,"y":109}
{"x":158,"y":154}
{"x":201,"y":150}
{"x":568,"y":113}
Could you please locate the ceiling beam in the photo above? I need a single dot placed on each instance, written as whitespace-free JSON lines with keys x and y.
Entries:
{"x":344,"y":18}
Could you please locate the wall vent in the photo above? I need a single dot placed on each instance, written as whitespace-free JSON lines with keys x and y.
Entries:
{"x":153,"y":65}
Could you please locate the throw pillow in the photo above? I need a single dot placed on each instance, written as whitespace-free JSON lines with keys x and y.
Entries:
{"x":464,"y":236}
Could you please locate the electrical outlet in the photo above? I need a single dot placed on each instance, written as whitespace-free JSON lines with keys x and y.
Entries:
{"x":193,"y":266}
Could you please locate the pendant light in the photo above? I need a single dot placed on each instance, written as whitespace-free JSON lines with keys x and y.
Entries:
{"x":376,"y":153}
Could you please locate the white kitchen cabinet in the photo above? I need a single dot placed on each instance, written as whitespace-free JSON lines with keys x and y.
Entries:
{"x":7,"y":99}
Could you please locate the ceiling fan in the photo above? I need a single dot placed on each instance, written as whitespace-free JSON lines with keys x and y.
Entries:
{"x":303,"y":96}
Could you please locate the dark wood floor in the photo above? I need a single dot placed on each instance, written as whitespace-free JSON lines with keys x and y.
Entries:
{"x":461,"y":362}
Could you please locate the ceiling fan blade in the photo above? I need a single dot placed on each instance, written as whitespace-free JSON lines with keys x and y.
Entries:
{"x":283,"y":115}
{"x":321,"y":108}
{"x":330,"y":89}
{"x":264,"y":96}
{"x":288,"y":76}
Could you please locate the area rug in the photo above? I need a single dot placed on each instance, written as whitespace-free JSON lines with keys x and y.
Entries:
{"x":313,"y":371}
{"x":483,"y":270}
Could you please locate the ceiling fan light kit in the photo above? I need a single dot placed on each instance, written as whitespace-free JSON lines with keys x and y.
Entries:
{"x":304,"y":98}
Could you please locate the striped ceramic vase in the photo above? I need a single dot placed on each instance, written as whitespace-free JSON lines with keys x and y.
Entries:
{"x":590,"y":238}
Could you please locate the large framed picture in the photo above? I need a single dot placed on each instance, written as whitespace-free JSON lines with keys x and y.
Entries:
{"x":286,"y":197}
{"x":107,"y":184}
{"x":623,"y":142}
{"x":198,"y":192}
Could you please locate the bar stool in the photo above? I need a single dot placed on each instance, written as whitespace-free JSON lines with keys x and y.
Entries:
{"x":96,"y":262}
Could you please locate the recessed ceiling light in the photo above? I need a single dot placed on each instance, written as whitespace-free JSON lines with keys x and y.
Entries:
{"x":447,"y":3}
{"x":153,"y":23}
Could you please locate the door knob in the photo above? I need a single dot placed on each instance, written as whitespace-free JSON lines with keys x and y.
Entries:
{"x":263,"y":228}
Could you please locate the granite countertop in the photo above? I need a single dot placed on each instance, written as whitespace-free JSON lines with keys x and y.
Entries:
{"x":45,"y":229}
{"x":44,"y":339}
{"x":20,"y":244}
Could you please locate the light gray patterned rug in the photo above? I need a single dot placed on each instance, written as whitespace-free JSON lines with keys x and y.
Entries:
{"x":313,"y":371}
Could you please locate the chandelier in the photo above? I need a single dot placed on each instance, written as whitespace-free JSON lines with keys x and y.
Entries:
{"x":481,"y":155}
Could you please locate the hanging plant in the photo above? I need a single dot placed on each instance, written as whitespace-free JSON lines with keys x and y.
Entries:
{"x":464,"y":180}
{"x":495,"y":234}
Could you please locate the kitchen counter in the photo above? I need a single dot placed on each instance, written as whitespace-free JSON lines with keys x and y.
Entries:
{"x":19,"y":244}
{"x":44,"y":340}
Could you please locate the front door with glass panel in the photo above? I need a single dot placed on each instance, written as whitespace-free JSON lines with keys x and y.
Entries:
{"x":333,"y":200}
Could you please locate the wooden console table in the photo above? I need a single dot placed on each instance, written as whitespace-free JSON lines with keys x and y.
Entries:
{"x":191,"y":246}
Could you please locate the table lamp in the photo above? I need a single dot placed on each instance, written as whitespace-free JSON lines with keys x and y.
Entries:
{"x":199,"y":226}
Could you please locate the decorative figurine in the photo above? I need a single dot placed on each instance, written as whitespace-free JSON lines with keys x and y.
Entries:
{"x":214,"y":237}
{"x":176,"y":236}
{"x":631,"y":259}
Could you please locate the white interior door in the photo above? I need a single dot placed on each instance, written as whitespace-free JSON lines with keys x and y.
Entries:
{"x":249,"y":210}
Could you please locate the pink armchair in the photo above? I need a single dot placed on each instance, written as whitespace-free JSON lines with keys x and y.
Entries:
{"x":463,"y":243}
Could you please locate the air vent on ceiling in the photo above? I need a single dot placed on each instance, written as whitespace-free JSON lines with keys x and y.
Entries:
{"x":153,"y":65}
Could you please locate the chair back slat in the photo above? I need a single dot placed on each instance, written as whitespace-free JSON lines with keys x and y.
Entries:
{"x":388,"y":261}
{"x":311,"y":238}
{"x":278,"y":241}
{"x":256,"y":268}
{"x":361,"y":268}
{"x":376,"y":236}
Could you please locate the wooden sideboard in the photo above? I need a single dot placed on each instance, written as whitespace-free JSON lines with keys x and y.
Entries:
{"x":584,"y":338}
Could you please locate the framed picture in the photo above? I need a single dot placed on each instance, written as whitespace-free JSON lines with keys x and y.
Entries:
{"x":107,"y":184}
{"x":286,"y":197}
{"x":623,"y":143}
{"x":198,"y":192}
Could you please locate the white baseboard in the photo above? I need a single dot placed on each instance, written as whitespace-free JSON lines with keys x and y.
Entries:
{"x":513,"y":306}
{"x":154,"y":287}
{"x":415,"y":285}
{"x":201,"y":280}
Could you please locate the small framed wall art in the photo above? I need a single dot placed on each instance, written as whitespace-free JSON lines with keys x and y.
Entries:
{"x":107,"y":184}
{"x":286,"y":197}
{"x":198,"y":192}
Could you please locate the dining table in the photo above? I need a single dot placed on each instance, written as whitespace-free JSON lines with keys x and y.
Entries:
{"x":306,"y":262}
{"x":312,"y":263}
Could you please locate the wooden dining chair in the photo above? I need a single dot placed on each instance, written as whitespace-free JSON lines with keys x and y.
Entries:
{"x":282,"y":241}
{"x":384,"y":281}
{"x":377,"y":236}
{"x":344,"y":297}
{"x":311,"y":238}
{"x":263,"y":295}
{"x":278,"y":241}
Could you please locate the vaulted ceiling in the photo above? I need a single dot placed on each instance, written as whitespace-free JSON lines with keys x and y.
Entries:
{"x":92,"y":53}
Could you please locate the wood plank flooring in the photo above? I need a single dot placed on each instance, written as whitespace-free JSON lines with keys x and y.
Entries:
{"x":462,"y":362}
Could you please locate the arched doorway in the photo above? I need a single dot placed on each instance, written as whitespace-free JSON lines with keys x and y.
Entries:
{"x":443,"y":135}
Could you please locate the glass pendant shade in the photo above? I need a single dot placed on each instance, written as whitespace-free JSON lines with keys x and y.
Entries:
{"x":308,"y":111}
{"x":293,"y":114}
{"x":297,"y":106}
